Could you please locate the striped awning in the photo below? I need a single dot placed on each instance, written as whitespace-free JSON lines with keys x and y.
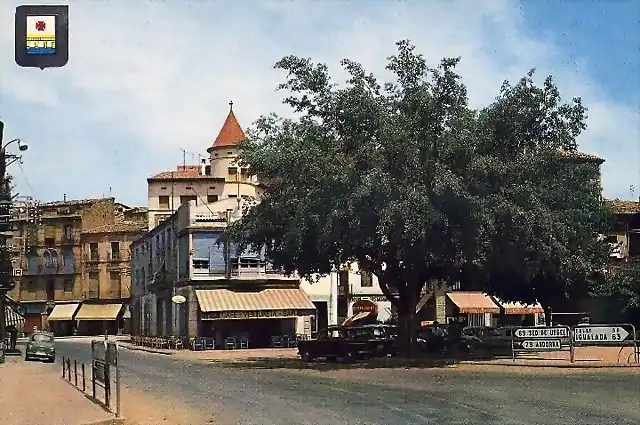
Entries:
{"x":11,"y":317}
{"x":216,"y":300}
{"x":473,"y":302}
{"x":63,"y":312}
{"x":520,"y":308}
{"x":98,"y":312}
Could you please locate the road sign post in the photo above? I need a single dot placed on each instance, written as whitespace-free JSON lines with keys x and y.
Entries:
{"x":538,"y":339}
{"x":607,"y":335}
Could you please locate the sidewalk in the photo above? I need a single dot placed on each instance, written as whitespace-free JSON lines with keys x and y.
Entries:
{"x":35,"y":394}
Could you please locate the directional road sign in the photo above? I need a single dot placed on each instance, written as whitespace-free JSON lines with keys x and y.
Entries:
{"x":597,"y":334}
{"x":542,"y":344}
{"x":540,"y":332}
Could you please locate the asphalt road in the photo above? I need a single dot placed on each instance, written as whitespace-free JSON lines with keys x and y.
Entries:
{"x":437,"y":396}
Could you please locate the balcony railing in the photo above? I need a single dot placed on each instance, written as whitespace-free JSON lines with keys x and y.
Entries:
{"x":115,"y":256}
{"x":93,"y":257}
{"x":72,"y":238}
{"x":49,"y":269}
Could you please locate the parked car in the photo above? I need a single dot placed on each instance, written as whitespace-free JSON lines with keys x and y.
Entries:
{"x":484,"y":340}
{"x":40,"y":346}
{"x":344,"y":343}
{"x":382,"y":338}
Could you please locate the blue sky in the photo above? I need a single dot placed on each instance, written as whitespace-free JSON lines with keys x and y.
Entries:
{"x":147,"y":79}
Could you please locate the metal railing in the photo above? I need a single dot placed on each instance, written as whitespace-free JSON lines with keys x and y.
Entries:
{"x":103,"y":372}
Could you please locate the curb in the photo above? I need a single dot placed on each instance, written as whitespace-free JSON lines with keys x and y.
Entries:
{"x":146,"y":350}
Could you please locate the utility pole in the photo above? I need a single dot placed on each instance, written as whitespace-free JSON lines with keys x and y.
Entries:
{"x":6,"y":232}
{"x":5,"y":209}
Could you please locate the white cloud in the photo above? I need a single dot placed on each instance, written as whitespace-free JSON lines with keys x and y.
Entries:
{"x":145,"y":79}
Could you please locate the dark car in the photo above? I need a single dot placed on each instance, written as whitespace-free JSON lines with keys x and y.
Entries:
{"x":41,"y":347}
{"x":338,"y":342}
{"x":381,"y":338}
{"x":487,"y":341}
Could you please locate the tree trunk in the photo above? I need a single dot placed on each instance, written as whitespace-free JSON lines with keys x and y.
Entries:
{"x":407,"y":322}
{"x":547,"y":315}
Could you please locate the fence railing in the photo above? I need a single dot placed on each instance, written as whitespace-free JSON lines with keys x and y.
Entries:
{"x":102,"y":373}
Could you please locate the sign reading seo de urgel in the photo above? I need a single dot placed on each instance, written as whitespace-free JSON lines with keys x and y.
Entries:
{"x":257,"y":314}
{"x":540,"y":332}
{"x":542,"y":344}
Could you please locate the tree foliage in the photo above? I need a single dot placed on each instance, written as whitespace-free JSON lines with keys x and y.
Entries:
{"x":409,"y":182}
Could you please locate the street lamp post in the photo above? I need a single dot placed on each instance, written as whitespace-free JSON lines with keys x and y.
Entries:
{"x":6,"y":268}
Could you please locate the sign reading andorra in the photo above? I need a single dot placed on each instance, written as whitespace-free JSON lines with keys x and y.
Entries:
{"x":542,"y":344}
{"x":598,"y":334}
{"x":539,"y":332}
{"x":258,"y":314}
{"x":364,"y":306}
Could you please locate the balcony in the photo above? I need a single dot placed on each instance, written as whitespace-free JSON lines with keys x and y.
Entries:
{"x":72,"y":238}
{"x":93,"y":257}
{"x":41,"y":269}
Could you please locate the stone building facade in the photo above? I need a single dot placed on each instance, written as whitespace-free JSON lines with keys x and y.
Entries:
{"x":53,"y":257}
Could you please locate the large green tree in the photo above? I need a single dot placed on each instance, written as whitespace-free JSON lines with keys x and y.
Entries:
{"x":542,"y":196}
{"x":409,"y":182}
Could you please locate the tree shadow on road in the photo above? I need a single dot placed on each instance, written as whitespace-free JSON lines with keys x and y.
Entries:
{"x":297,"y":364}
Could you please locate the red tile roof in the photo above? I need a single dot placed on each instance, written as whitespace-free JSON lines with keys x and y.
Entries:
{"x":575,"y":154}
{"x":119,"y":227}
{"x":183,"y":174}
{"x":621,"y":206}
{"x":230,"y":134}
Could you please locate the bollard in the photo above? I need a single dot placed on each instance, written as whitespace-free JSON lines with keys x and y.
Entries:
{"x":75,"y":372}
{"x":63,"y":367}
{"x":84,"y":383}
{"x":69,"y":369}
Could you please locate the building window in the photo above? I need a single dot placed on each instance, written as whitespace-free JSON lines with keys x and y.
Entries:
{"x":187,"y":198}
{"x":233,"y":173}
{"x":163,"y":202}
{"x":212,"y":198}
{"x":49,"y":242}
{"x":94,"y":285}
{"x":343,"y":281}
{"x":68,"y":285}
{"x":115,"y":284}
{"x":51,"y":290}
{"x":93,"y":251}
{"x":115,"y":250}
{"x":366,"y":279}
{"x":68,"y":232}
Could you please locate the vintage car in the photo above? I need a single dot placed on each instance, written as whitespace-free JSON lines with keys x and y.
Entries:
{"x":344,"y":343}
{"x":40,"y":347}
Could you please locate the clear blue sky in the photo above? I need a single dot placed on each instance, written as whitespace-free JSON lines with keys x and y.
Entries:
{"x":147,"y":79}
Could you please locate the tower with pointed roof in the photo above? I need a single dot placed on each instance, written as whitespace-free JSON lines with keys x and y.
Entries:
{"x":216,"y":178}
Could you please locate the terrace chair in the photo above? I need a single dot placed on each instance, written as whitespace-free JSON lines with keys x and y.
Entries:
{"x":276,"y":341}
{"x":209,"y":343}
{"x":292,"y":342}
{"x":230,"y":343}
{"x":244,"y":343}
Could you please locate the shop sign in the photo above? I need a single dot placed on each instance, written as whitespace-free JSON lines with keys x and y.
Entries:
{"x":257,"y":314}
{"x":364,"y":306}
{"x":374,"y":298}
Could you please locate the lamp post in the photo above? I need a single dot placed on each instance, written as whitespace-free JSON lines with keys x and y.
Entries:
{"x":6,"y":268}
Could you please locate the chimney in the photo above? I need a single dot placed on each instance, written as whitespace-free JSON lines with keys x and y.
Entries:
{"x":203,"y":166}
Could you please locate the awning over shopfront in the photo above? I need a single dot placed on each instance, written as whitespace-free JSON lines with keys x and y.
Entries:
{"x":268,"y":303}
{"x":63,"y":312}
{"x":12,"y":318}
{"x":520,"y":308}
{"x":356,"y":317}
{"x":473,"y":302}
{"x":98,"y":312}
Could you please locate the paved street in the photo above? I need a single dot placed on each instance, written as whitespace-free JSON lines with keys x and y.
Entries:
{"x":437,"y":396}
